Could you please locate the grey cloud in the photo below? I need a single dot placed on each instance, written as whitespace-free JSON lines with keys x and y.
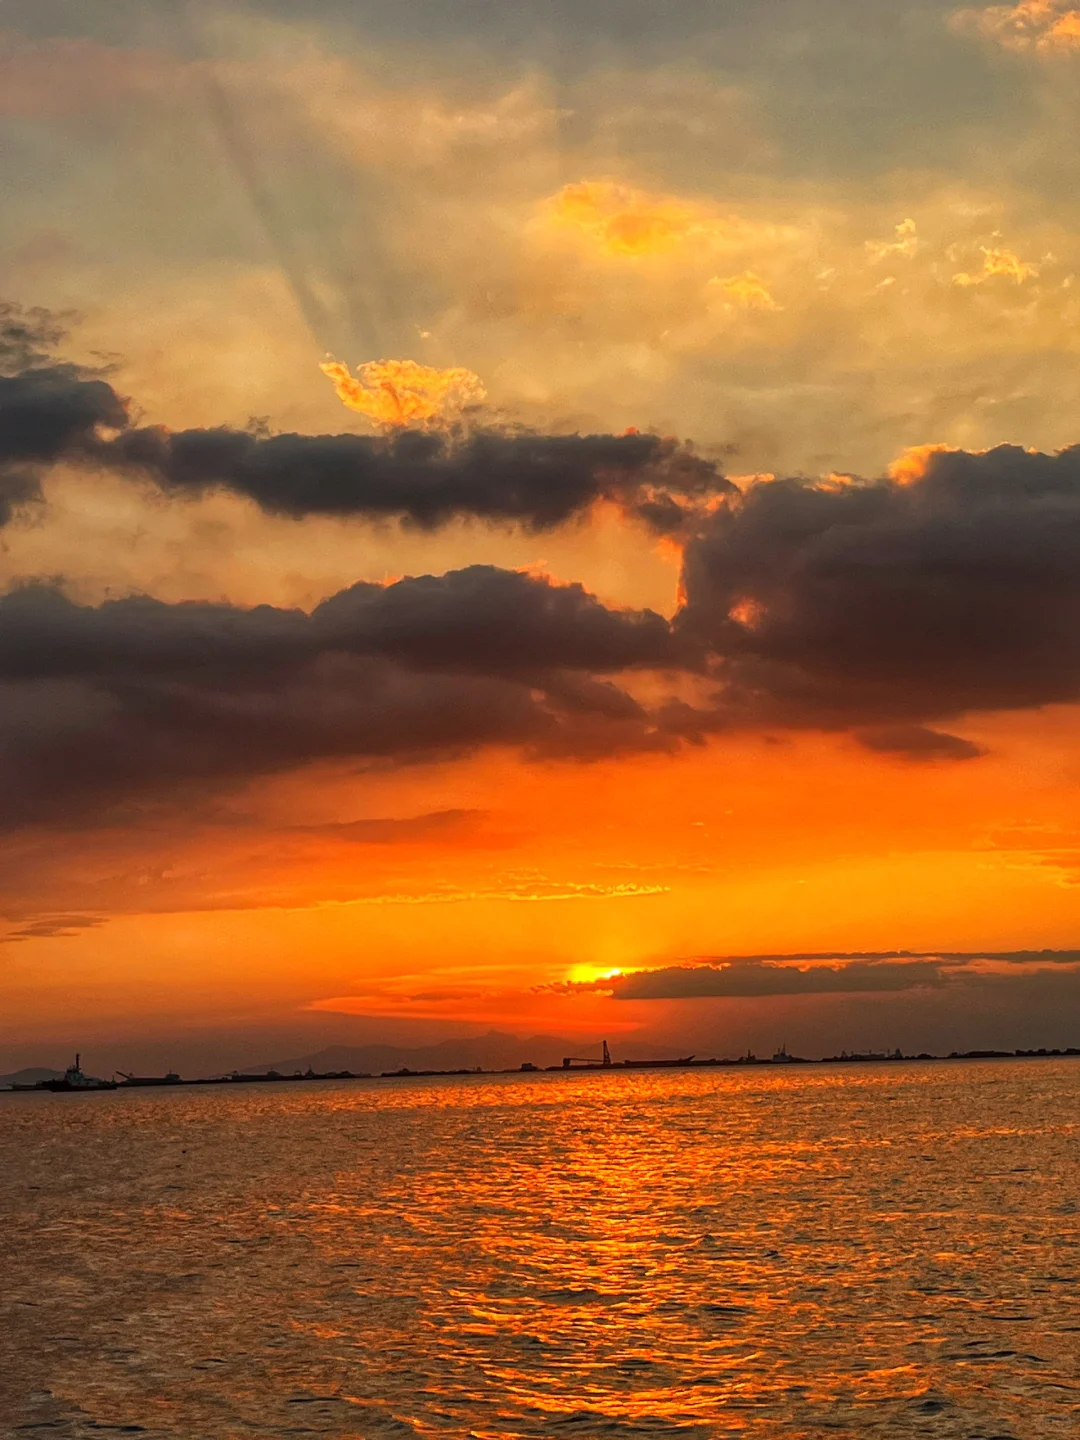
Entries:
{"x":823,"y":973}
{"x":48,"y":410}
{"x":137,"y":697}
{"x":885,"y":605}
{"x":481,"y":619}
{"x":54,"y":413}
{"x":944,"y":957}
{"x":499,"y":620}
{"x":28,"y":336}
{"x":918,"y":742}
{"x":72,"y":746}
{"x":752,"y":978}
{"x":51,"y":927}
{"x":428,"y":478}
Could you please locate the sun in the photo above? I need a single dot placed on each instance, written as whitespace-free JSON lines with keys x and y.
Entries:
{"x":589,"y":974}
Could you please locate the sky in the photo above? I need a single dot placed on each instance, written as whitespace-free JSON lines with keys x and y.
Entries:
{"x":559,"y":518}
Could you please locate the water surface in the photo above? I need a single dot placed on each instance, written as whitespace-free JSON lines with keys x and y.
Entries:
{"x":869,"y":1251}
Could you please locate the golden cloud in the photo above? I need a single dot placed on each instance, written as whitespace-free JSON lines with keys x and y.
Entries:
{"x":998,"y":263}
{"x":1040,"y":25}
{"x":906,"y":243}
{"x":910,"y":466}
{"x":621,"y":221}
{"x":394,"y":393}
{"x":746,"y":290}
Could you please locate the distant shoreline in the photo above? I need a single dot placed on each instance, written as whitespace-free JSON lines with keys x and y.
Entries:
{"x":744,"y":1062}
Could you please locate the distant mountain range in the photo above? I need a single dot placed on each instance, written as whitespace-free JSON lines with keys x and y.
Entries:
{"x":30,"y":1076}
{"x":493,"y":1051}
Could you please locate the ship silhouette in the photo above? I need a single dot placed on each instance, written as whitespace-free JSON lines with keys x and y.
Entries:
{"x":72,"y":1079}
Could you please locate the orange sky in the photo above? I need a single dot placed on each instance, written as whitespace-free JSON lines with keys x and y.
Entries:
{"x":671,"y":232}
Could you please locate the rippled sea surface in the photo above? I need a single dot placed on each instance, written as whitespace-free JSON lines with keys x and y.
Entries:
{"x":868,"y":1251}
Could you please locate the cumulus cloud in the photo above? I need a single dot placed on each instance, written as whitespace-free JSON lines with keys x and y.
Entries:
{"x":1043,"y":26}
{"x":137,"y":696}
{"x":952,"y":589}
{"x":949,"y":587}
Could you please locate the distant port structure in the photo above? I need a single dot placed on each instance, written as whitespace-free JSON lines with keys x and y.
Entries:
{"x":74,"y":1081}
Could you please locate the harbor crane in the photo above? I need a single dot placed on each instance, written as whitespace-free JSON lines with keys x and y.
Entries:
{"x":571,"y":1060}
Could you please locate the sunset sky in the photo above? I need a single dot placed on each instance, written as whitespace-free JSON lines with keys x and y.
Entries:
{"x":499,"y":498}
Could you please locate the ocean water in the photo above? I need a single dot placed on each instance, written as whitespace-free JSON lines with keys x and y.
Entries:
{"x":885,"y":1251}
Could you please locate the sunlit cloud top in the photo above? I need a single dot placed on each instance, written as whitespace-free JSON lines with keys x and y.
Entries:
{"x":622,"y":221}
{"x":1041,"y":25}
{"x":394,"y":393}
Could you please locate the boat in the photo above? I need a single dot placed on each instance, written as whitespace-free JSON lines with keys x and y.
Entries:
{"x":74,"y":1079}
{"x":131,"y":1080}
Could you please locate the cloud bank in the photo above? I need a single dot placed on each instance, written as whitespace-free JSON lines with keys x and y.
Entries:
{"x":139,"y":697}
{"x":951,"y":589}
{"x":879,"y":607}
{"x":885,"y":972}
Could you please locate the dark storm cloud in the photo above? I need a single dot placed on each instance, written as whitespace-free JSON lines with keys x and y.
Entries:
{"x":885,"y":604}
{"x":427,"y":478}
{"x":137,"y":697}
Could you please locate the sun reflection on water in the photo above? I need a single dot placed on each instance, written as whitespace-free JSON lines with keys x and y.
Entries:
{"x":798,"y":1253}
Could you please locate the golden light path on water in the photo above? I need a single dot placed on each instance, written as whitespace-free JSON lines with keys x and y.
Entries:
{"x":887,"y":1251}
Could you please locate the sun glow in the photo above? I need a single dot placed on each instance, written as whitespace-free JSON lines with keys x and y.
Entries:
{"x":586,"y":974}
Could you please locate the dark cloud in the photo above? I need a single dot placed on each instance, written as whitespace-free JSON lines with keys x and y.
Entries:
{"x":888,"y":604}
{"x":28,"y":336}
{"x":944,"y":957}
{"x":876,"y":607}
{"x":51,"y":927}
{"x":919,"y":743}
{"x":137,"y":697}
{"x":54,"y":413}
{"x":499,"y":621}
{"x":823,"y":974}
{"x":428,"y":478}
{"x":481,"y":619}
{"x":750,"y":978}
{"x":48,"y":410}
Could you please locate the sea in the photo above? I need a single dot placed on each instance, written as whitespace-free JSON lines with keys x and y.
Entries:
{"x":886,"y":1250}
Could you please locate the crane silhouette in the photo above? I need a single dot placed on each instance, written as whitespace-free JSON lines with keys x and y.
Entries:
{"x":569,"y":1060}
